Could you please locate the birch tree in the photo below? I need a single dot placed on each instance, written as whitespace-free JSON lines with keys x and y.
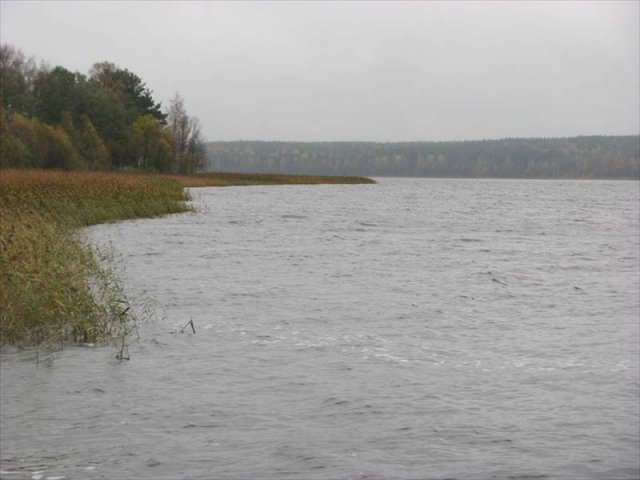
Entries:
{"x":185,"y":132}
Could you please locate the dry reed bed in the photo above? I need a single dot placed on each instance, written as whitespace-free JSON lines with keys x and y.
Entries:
{"x":52,"y":287}
{"x":223,"y":179}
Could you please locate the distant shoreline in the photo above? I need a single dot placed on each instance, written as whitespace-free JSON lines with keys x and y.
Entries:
{"x":233,"y":179}
{"x":588,"y":157}
{"x":616,"y":179}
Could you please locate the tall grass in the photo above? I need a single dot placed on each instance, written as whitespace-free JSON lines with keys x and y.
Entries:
{"x":224,"y":179}
{"x":53,"y":288}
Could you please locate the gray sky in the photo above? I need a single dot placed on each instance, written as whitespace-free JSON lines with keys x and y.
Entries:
{"x":383,"y":71}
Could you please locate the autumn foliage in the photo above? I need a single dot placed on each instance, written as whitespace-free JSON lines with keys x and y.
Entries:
{"x":106,"y":120}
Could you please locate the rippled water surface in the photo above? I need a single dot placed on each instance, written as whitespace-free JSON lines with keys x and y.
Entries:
{"x":410,"y":329}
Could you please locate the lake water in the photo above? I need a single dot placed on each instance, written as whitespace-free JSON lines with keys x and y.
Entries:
{"x":413,"y":329}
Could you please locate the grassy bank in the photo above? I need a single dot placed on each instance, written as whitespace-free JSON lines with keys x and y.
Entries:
{"x":52,"y":288}
{"x":219,"y":179}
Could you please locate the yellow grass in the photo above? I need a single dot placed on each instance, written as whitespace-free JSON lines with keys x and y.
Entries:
{"x":220,"y":179}
{"x":52,"y":288}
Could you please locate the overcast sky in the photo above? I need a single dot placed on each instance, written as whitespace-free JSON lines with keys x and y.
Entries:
{"x":383,"y":71}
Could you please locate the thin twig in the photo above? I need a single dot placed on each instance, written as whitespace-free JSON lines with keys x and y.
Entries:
{"x":190,"y":322}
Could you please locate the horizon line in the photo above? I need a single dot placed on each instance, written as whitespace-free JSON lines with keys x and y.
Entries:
{"x":428,"y":141}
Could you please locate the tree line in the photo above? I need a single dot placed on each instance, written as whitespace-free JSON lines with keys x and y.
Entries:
{"x":106,"y":120}
{"x":576,"y":157}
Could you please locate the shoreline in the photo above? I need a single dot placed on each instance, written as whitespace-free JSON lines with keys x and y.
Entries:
{"x":53,"y":288}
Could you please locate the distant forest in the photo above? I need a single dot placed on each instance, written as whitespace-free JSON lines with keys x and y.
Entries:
{"x":616,"y":157}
